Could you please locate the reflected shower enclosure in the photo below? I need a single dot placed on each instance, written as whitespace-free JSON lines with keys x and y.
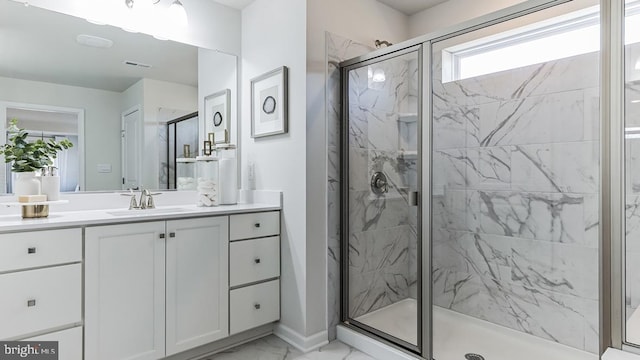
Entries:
{"x":180,"y":132}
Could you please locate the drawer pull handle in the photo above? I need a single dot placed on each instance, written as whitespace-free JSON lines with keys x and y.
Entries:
{"x":31,"y":303}
{"x":172,"y":235}
{"x":257,"y":225}
{"x":31,"y":250}
{"x":257,"y":306}
{"x":256,"y":260}
{"x":162,"y":236}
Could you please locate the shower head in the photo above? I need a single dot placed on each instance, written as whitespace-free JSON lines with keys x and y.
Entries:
{"x":380,"y":43}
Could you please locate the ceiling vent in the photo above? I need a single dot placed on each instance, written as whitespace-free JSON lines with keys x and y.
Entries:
{"x":137,"y":64}
{"x":94,"y":41}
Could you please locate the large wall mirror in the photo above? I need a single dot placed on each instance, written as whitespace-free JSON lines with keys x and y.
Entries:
{"x":113,"y":93}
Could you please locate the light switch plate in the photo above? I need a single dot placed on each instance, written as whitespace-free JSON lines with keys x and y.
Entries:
{"x":104,"y":168}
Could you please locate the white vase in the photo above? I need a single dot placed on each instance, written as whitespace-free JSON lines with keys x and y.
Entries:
{"x":26,"y":183}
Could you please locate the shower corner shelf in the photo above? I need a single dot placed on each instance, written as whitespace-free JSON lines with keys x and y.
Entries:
{"x":407,"y":154}
{"x":407,"y":117}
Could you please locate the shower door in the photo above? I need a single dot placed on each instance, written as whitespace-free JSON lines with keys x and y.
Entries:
{"x":380,"y":212}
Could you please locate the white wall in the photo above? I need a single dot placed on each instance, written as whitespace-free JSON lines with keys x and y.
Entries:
{"x":453,"y":12}
{"x":363,"y":21}
{"x":211,"y":25}
{"x":216,"y":72}
{"x":273,"y":35}
{"x":102,"y":122}
{"x":133,"y":96}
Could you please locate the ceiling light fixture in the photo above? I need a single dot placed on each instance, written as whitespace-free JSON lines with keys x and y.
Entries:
{"x":94,"y":41}
{"x":178,"y":14}
{"x":176,"y":11}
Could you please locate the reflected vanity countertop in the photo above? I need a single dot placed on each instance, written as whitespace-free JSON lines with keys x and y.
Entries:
{"x":11,"y":220}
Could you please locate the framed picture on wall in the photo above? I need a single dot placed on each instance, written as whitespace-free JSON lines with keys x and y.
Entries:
{"x":269,"y":103}
{"x":217,"y":109}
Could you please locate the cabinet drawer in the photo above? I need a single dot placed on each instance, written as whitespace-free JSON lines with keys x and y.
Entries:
{"x":39,"y":248}
{"x":37,"y":300}
{"x":246,"y":226}
{"x":254,"y":305}
{"x":69,"y":342}
{"x":254,"y":260}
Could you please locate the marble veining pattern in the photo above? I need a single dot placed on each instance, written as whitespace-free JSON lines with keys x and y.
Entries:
{"x":515,"y":184}
{"x":632,"y":191}
{"x":515,"y":206}
{"x":273,"y":348}
{"x":382,"y":138}
{"x":338,"y":49}
{"x":382,"y":228}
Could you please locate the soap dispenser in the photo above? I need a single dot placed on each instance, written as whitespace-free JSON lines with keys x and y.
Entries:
{"x":228,"y":174}
{"x":50,"y":183}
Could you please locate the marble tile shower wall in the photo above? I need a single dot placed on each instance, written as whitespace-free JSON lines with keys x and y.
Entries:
{"x":381,"y":227}
{"x":516,"y":177}
{"x":338,"y":49}
{"x":632,"y":181}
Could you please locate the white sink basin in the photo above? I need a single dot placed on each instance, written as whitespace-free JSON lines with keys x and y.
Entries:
{"x":139,"y":212}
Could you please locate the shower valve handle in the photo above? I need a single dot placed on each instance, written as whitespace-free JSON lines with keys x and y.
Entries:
{"x":379,"y":183}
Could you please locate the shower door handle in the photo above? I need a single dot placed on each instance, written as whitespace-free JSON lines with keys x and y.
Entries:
{"x":414,"y":198}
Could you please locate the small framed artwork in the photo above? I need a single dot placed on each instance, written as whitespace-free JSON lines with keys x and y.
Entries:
{"x":217,"y":109}
{"x":270,"y":103}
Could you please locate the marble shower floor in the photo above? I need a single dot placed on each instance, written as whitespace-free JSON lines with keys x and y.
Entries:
{"x":273,"y":348}
{"x":456,"y":334}
{"x":398,"y":319}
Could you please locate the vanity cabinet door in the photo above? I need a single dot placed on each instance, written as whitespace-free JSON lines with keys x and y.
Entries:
{"x":125,"y":291}
{"x":197,"y":282}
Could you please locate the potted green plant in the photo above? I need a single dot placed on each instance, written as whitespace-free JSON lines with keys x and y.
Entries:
{"x":29,"y":157}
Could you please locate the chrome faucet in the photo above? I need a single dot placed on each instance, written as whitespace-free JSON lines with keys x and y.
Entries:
{"x":145,"y":202}
{"x":144,"y":198}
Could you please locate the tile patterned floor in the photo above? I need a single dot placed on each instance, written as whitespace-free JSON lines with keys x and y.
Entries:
{"x":273,"y":348}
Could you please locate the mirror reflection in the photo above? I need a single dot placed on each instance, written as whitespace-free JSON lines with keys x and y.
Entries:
{"x":113,"y":93}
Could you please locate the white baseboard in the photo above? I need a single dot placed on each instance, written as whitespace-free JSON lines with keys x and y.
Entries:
{"x":370,"y":346}
{"x":302,"y":343}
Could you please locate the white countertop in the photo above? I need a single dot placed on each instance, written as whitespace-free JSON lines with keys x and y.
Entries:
{"x":105,"y":209}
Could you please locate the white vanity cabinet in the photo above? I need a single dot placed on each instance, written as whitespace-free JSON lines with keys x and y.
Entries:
{"x":125,"y":291}
{"x":143,"y":278}
{"x":254,"y":270}
{"x":41,"y":282}
{"x":197,"y":285}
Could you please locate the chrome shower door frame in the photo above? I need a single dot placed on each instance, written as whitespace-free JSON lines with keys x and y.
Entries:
{"x":422,"y":268}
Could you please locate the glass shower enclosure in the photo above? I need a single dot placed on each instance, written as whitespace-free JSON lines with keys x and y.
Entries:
{"x":470,"y":189}
{"x":381,"y":215}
